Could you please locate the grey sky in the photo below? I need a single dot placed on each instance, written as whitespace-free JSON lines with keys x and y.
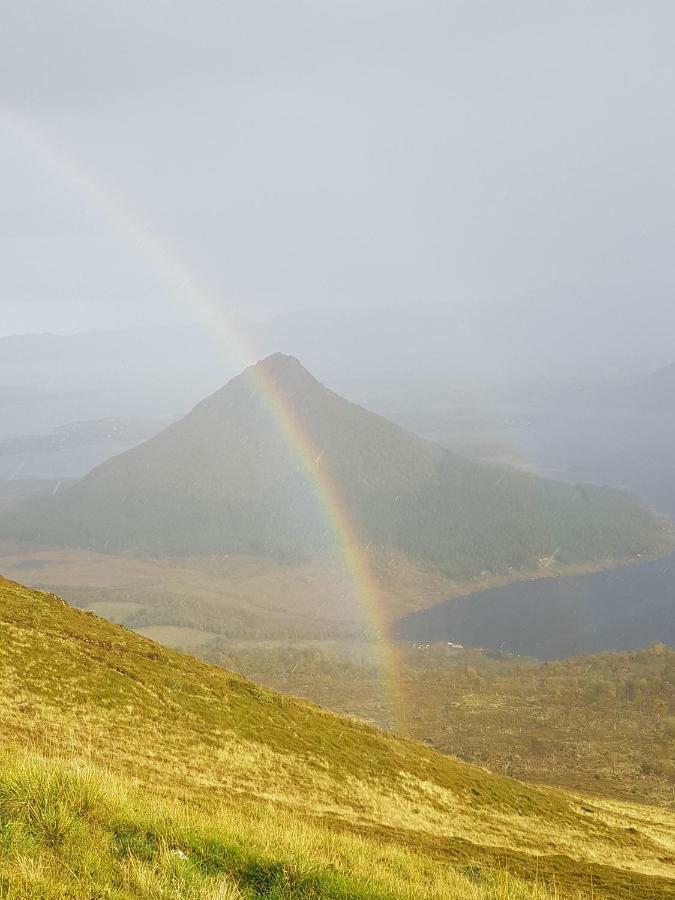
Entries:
{"x":337,"y":154}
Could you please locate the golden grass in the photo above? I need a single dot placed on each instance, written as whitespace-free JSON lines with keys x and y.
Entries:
{"x":170,"y":739}
{"x":75,"y":831}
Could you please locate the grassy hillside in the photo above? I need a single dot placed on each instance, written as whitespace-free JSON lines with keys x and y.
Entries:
{"x":223,"y":480}
{"x":604,"y":724}
{"x":129,"y":770}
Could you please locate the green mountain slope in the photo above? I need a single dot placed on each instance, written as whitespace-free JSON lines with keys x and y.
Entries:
{"x":128,"y":770}
{"x":224,"y":480}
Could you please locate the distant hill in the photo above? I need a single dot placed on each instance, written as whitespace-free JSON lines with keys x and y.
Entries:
{"x":83,"y":434}
{"x":109,"y":360}
{"x":74,"y":449}
{"x":223,"y":479}
{"x":48,"y":380}
{"x":656,"y":391}
{"x":129,"y":770}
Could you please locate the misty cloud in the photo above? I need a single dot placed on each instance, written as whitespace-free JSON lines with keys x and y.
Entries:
{"x":340,"y":154}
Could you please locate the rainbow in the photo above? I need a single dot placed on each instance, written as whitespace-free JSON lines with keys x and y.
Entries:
{"x":185,"y":288}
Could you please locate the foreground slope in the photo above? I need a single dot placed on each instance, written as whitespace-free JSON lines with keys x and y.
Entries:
{"x":603,"y":724}
{"x":144,"y":763}
{"x":223,"y":480}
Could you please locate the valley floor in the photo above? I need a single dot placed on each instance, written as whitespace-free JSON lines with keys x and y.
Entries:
{"x":191,"y":600}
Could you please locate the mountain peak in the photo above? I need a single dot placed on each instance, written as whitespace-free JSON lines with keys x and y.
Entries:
{"x":226,"y":479}
{"x":280,"y":362}
{"x":284,"y":370}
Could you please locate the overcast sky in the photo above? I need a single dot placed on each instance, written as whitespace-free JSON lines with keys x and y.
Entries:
{"x":339,"y":154}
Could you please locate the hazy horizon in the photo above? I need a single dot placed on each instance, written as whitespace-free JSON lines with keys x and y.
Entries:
{"x":283,"y":162}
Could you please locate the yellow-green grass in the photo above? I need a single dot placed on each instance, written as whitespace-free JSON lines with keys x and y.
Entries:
{"x":603,"y":724}
{"x":119,"y":752}
{"x":75,"y":831}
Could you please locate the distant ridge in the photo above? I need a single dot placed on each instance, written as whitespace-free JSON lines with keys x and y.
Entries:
{"x":224,"y":479}
{"x":655,"y":391}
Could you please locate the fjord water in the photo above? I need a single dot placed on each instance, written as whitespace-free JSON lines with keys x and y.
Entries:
{"x":552,"y":618}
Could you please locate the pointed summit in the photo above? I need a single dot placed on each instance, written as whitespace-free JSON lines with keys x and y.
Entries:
{"x":281,"y":363}
{"x":284,"y":371}
{"x":279,"y":373}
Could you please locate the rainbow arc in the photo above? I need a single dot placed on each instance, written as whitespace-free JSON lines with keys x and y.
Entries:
{"x":185,"y":288}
